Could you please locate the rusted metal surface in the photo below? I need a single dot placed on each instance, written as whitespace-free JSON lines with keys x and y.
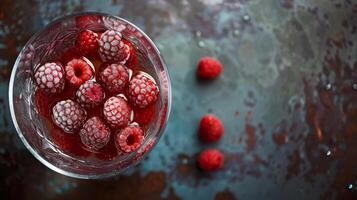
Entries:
{"x":287,"y":98}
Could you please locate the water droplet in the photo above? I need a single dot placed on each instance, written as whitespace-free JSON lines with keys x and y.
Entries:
{"x":329,"y":86}
{"x":201,"y":44}
{"x":198,"y":33}
{"x":350,"y":186}
{"x":236,"y":32}
{"x":246,"y":18}
{"x":184,"y":161}
{"x":354,"y":86}
{"x":328,"y":153}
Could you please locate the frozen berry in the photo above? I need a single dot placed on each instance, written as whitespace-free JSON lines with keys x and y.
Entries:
{"x":68,"y":115}
{"x":78,"y":71}
{"x":117,"y":111}
{"x":112,"y":48}
{"x":87,"y":42}
{"x":211,"y":128}
{"x":143,"y":91}
{"x":208,"y":68}
{"x":129,"y":139}
{"x":90,"y":94}
{"x":210,"y":160}
{"x":94,"y":134}
{"x":114,"y":77}
{"x":50,"y":77}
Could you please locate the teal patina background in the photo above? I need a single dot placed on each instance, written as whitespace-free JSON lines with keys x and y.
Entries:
{"x":287,"y":98}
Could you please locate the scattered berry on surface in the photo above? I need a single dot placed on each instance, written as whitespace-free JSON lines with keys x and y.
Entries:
{"x":211,"y":128}
{"x":208,"y":68}
{"x":210,"y":160}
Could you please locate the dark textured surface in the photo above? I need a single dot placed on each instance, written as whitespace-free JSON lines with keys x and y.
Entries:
{"x":287,"y":97}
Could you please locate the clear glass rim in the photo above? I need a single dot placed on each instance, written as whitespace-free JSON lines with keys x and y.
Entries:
{"x":12,"y":110}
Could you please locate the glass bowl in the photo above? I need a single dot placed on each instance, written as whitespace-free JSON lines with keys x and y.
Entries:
{"x":46,"y":45}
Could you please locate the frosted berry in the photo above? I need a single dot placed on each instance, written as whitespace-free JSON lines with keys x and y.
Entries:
{"x":143,"y":91}
{"x":94,"y":134}
{"x":87,"y":42}
{"x":68,"y":115}
{"x":114,"y":77}
{"x":78,"y":71}
{"x":129,"y":139}
{"x":90,"y":94}
{"x":211,"y":128}
{"x":208,"y":68}
{"x":50,"y":77}
{"x":112,"y":48}
{"x":210,"y":160}
{"x":117,"y":111}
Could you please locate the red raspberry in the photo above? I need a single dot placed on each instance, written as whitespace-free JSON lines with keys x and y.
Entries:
{"x":210,"y":160}
{"x":49,"y":77}
{"x":208,"y":68}
{"x":90,"y":94}
{"x":132,"y":61}
{"x":94,"y":134}
{"x":117,"y":111}
{"x":115,"y":77}
{"x":143,"y":91}
{"x":112,"y":48}
{"x":78,"y":71}
{"x":129,"y":139}
{"x":87,"y":42}
{"x":68,"y":115}
{"x":211,"y":128}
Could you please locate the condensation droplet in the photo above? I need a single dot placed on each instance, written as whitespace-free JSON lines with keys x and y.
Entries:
{"x":246,"y":18}
{"x":354,"y":86}
{"x":184,"y":161}
{"x":350,"y":186}
{"x":201,"y":43}
{"x":236,"y":32}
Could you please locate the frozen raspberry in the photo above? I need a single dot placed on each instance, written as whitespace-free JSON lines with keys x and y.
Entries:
{"x":78,"y":71}
{"x":117,"y":111}
{"x":112,"y":48}
{"x":68,"y":115}
{"x":143,"y":90}
{"x":210,"y":160}
{"x":90,"y":94}
{"x":94,"y":134}
{"x":208,"y":68}
{"x":211,"y":128}
{"x":49,"y":77}
{"x":115,"y":77}
{"x":87,"y":42}
{"x":129,"y":139}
